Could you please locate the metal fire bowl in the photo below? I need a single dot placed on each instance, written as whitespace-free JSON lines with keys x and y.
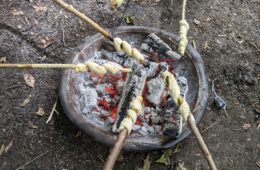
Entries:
{"x":191,"y":66}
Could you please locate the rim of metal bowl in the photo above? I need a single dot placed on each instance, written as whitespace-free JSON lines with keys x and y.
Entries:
{"x":198,"y":111}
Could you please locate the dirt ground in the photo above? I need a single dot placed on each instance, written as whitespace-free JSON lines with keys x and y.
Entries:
{"x":225,"y":32}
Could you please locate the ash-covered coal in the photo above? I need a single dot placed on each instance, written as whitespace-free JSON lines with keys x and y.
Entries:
{"x":101,"y":97}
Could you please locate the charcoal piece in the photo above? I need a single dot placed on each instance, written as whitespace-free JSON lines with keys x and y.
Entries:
{"x":134,"y":85}
{"x":120,"y":58}
{"x":126,"y":61}
{"x":154,"y":44}
{"x":172,"y":119}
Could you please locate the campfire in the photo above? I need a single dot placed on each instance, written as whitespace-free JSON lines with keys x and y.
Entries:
{"x":103,"y":98}
{"x":124,"y":94}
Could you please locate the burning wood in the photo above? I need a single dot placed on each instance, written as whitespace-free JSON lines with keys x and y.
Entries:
{"x":154,"y":44}
{"x":108,"y":98}
{"x":134,"y":86}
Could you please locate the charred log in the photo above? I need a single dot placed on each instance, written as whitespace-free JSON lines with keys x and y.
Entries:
{"x":154,"y":44}
{"x":134,"y":85}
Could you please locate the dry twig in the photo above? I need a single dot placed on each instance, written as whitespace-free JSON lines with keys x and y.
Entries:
{"x":52,"y":111}
{"x":21,"y":167}
{"x":210,"y":126}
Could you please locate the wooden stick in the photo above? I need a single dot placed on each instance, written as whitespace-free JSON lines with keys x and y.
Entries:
{"x":66,"y":66}
{"x":201,"y":142}
{"x":116,"y":150}
{"x":183,"y":11}
{"x":82,"y":16}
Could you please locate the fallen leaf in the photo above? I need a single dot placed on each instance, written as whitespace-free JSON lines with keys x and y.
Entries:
{"x":206,"y":45}
{"x":16,"y":13}
{"x":40,"y":112}
{"x":181,"y":166}
{"x":32,"y":125}
{"x":258,"y":163}
{"x":246,"y":126}
{"x":208,"y":19}
{"x":2,"y":149}
{"x":147,"y":163}
{"x":26,"y":101}
{"x":164,"y":159}
{"x":29,"y":80}
{"x":196,"y":21}
{"x":8,"y":146}
{"x":46,"y":42}
{"x":129,"y":20}
{"x":177,"y":148}
{"x":40,"y":8}
{"x":3,"y":60}
{"x":78,"y":134}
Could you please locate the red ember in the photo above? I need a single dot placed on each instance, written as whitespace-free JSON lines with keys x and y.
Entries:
{"x":113,"y":112}
{"x":138,"y":121}
{"x":111,"y":90}
{"x":103,"y":103}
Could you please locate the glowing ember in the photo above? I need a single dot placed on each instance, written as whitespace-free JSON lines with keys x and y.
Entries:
{"x":111,"y":90}
{"x":100,"y":96}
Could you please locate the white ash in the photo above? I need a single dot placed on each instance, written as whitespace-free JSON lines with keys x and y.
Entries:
{"x":183,"y":83}
{"x":88,"y":100}
{"x":136,"y":128}
{"x":158,"y":128}
{"x":151,"y":69}
{"x":100,"y":88}
{"x":119,"y":86}
{"x":156,"y":88}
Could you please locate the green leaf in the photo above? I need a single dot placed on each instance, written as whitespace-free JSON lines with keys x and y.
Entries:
{"x":147,"y":163}
{"x":129,"y":20}
{"x":165,"y":158}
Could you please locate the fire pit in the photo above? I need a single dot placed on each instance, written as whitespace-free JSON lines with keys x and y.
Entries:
{"x":92,"y":107}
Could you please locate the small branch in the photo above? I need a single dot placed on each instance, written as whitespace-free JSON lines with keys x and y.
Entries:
{"x":82,"y":16}
{"x":201,"y":142}
{"x":210,"y":126}
{"x":21,"y":167}
{"x":116,"y":150}
{"x":66,"y":66}
{"x":52,"y":111}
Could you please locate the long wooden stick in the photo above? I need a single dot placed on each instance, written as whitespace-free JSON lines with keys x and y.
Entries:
{"x":201,"y":142}
{"x":65,"y":66}
{"x":116,"y":150}
{"x":82,"y":16}
{"x":183,"y":11}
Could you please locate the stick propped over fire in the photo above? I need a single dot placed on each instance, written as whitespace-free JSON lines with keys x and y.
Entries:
{"x":130,"y":106}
